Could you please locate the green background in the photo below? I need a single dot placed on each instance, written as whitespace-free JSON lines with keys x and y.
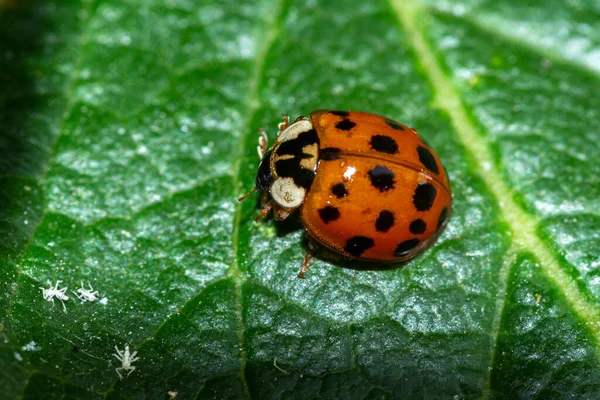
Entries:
{"x":128,"y":130}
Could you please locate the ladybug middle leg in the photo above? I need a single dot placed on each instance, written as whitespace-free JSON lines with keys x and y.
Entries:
{"x":265,"y":206}
{"x":263,"y":211}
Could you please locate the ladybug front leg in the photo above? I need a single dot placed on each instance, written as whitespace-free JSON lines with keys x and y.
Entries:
{"x":264,"y":211}
{"x":284,"y":124}
{"x":266,"y":206}
{"x":263,"y":143}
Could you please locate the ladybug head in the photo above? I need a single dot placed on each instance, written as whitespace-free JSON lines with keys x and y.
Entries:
{"x":264,"y":177}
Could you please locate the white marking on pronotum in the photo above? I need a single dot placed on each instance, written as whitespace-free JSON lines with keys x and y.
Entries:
{"x":294,"y":130}
{"x":53,"y":291}
{"x":126,"y":359}
{"x":84,"y":294}
{"x":286,"y":193}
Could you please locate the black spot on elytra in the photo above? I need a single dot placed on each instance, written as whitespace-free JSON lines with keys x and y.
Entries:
{"x":292,"y":169}
{"x":427,"y":159}
{"x":406,"y":247}
{"x":442,"y":218}
{"x":382,"y":178}
{"x":424,"y":196}
{"x":345,"y":125}
{"x":418,"y":226}
{"x":384,"y":144}
{"x":384,"y":221}
{"x":329,"y":214}
{"x":329,"y":153}
{"x":393,"y":124}
{"x":340,"y":113}
{"x":358,"y":244}
{"x":339,"y":190}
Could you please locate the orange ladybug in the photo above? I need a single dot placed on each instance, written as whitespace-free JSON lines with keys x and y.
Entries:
{"x":368,"y":187}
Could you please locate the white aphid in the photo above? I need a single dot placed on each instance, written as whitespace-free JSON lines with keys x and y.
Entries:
{"x":52,"y":292}
{"x":84,"y":294}
{"x":126,"y":359}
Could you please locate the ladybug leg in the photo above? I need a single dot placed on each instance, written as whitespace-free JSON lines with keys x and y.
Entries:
{"x":264,"y":199}
{"x":263,"y":143}
{"x":285,"y":123}
{"x":266,"y":207}
{"x":305,"y":265}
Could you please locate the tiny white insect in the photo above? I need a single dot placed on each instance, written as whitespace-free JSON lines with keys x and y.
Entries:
{"x":172,"y":394}
{"x":84,"y":294}
{"x":126,"y":359}
{"x":53,"y":291}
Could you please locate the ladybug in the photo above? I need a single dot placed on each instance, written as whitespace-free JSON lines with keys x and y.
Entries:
{"x":368,"y":187}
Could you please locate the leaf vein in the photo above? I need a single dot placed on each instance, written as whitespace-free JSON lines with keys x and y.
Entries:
{"x":524,"y":226}
{"x":272,"y":31}
{"x":488,"y":25}
{"x":89,"y":11}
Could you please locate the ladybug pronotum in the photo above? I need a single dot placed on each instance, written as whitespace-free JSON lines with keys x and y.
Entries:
{"x":368,"y":188}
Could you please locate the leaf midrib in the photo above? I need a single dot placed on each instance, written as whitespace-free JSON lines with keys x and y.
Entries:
{"x":271,"y":32}
{"x":524,"y":226}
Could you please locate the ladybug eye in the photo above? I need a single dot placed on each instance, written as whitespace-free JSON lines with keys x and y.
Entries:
{"x":264,"y":178}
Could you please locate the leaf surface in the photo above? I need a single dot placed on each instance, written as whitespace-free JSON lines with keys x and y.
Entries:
{"x":128,"y":132}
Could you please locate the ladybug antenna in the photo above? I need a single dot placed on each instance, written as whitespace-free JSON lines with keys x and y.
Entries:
{"x":244,"y":197}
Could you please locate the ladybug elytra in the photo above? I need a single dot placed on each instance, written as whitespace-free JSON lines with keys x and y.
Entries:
{"x":368,"y":187}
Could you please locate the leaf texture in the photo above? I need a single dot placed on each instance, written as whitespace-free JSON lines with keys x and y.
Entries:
{"x":127,"y":132}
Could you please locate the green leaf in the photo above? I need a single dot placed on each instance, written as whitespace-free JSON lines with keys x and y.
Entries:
{"x":127,"y":132}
